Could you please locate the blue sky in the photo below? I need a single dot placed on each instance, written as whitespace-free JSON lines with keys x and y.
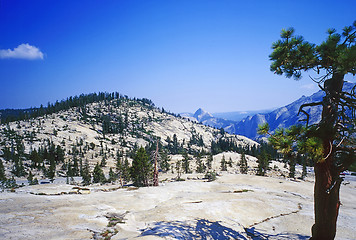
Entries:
{"x":181,"y":54}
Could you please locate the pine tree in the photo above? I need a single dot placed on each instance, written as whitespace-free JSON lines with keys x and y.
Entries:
{"x":164,"y":163}
{"x":223,"y":165}
{"x":69,"y":170}
{"x":141,"y":169}
{"x":103,"y":162}
{"x":185,"y":163}
{"x":35,"y":158}
{"x":126,"y":171}
{"x":304,"y":171}
{"x":86,"y":176}
{"x":331,"y":60}
{"x":243,"y":164}
{"x":229,"y":163}
{"x":200,"y":165}
{"x":98,"y":174}
{"x":52,"y":169}
{"x":112,"y":176}
{"x":179,"y":169}
{"x":209,"y":161}
{"x":31,"y":180}
{"x":75,"y":167}
{"x":2,"y":172}
{"x":263,"y":163}
{"x":292,"y":163}
{"x":18,"y":169}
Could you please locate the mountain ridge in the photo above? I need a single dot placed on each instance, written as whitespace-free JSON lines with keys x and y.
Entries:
{"x":284,"y":116}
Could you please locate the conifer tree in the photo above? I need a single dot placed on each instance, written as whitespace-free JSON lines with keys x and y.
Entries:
{"x":112,"y":176}
{"x":126,"y":170}
{"x":304,"y":170}
{"x":179,"y":169}
{"x":200,"y":165}
{"x":103,"y":162}
{"x":331,"y":60}
{"x":263,"y":163}
{"x":223,"y":165}
{"x":185,"y":163}
{"x":35,"y":158}
{"x":75,"y":167}
{"x":164,"y":161}
{"x":2,"y":172}
{"x":86,"y":176}
{"x":19,"y":169}
{"x":30,"y":178}
{"x":209,"y":161}
{"x":229,"y":163}
{"x":243,"y":164}
{"x":141,"y":169}
{"x":52,"y":169}
{"x":98,"y":174}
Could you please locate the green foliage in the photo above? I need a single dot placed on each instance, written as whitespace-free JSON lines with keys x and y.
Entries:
{"x":209,"y":161}
{"x":126,"y":170}
{"x":210,"y":175}
{"x":98,"y":174}
{"x":86,"y":176}
{"x":2,"y":172}
{"x":263,"y":161}
{"x":312,"y":147}
{"x":51,"y":170}
{"x":185,"y":163}
{"x":293,"y":141}
{"x":200,"y":165}
{"x":112,"y":176}
{"x":263,"y":129}
{"x":331,"y":142}
{"x":10,"y":115}
{"x":141,"y":169}
{"x":31,"y":180}
{"x":292,"y":54}
{"x":164,"y":161}
{"x":223,"y":145}
{"x":243,"y":164}
{"x":103,"y":162}
{"x":9,"y":183}
{"x":223,"y":164}
{"x":18,"y":169}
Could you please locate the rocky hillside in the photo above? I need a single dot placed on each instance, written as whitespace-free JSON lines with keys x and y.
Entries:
{"x":102,"y":132}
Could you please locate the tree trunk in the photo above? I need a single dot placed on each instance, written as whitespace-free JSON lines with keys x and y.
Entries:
{"x":155,"y":171}
{"x":327,"y":179}
{"x":326,"y":202}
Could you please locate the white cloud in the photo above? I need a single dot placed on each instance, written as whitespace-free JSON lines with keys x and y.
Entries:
{"x":23,"y":51}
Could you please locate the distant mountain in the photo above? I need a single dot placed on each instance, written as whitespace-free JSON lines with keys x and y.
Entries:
{"x":238,"y":115}
{"x":280,"y":117}
{"x":202,"y":115}
{"x":208,"y":119}
{"x":284,"y":116}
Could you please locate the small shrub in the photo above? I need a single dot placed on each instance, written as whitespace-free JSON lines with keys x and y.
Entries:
{"x":211,"y":176}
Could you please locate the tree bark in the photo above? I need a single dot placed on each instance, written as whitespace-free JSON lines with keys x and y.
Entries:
{"x":327,"y":176}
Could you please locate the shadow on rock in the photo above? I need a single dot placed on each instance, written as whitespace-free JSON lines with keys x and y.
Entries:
{"x":256,"y":235}
{"x":201,"y":229}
